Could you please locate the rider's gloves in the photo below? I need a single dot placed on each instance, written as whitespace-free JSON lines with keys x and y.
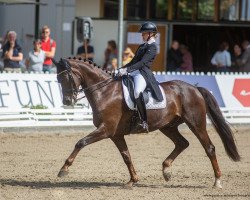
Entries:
{"x":123,"y":71}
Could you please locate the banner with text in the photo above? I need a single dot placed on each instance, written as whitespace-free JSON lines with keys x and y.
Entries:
{"x":20,"y":90}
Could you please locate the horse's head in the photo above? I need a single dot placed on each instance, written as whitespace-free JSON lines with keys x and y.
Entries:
{"x":69,"y":81}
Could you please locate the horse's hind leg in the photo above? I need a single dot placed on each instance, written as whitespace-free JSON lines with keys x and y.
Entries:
{"x":122,"y":146}
{"x":97,"y":135}
{"x":202,"y":135}
{"x":180,"y":144}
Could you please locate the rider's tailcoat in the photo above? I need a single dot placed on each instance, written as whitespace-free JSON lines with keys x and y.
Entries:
{"x":142,"y":61}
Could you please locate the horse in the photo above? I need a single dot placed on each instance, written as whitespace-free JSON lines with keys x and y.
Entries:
{"x":112,"y":118}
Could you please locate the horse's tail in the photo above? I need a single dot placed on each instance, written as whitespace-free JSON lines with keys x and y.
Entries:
{"x":220,"y":124}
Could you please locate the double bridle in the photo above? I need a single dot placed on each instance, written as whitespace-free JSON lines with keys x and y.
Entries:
{"x":75,"y":91}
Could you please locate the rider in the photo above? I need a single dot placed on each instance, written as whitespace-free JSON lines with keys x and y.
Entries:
{"x":139,"y":69}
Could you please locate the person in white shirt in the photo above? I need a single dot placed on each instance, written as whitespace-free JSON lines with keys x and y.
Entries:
{"x":222,"y":58}
{"x":36,"y":57}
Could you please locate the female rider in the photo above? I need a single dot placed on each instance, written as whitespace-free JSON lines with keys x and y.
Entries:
{"x":139,"y":69}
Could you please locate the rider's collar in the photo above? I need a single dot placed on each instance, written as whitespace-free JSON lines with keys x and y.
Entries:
{"x":151,"y":40}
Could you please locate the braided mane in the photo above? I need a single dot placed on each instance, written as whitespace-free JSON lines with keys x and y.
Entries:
{"x":90,"y":63}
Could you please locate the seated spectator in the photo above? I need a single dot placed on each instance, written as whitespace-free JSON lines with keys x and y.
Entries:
{"x":110,"y":53}
{"x":12,"y":53}
{"x":36,"y":57}
{"x":187,"y":65}
{"x":237,"y":54}
{"x":244,"y":61}
{"x":114,"y":64}
{"x":127,"y":56}
{"x":174,"y":57}
{"x":222,"y":58}
{"x":90,"y":51}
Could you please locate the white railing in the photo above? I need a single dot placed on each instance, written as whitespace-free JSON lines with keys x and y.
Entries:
{"x":83,"y":117}
{"x":45,"y":117}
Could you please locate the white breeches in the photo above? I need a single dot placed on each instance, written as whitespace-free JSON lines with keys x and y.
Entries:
{"x":140,"y":83}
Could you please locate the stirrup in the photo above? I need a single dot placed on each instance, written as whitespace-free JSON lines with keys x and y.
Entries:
{"x":144,"y":126}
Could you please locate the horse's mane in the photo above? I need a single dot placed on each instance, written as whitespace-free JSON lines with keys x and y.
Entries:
{"x":90,"y":64}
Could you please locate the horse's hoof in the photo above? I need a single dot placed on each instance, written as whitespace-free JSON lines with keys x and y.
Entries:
{"x":167,"y":176}
{"x":128,"y":185}
{"x":62,"y":173}
{"x":217,"y":184}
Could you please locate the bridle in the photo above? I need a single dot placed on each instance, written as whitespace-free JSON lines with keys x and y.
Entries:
{"x":74,"y":90}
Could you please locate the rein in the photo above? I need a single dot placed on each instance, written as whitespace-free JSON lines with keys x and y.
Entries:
{"x":89,"y":89}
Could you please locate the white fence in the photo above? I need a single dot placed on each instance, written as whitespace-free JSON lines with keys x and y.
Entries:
{"x":83,"y":117}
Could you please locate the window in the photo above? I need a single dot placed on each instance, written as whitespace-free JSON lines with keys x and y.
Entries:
{"x":245,"y":10}
{"x":111,"y":9}
{"x":206,"y":9}
{"x":229,"y":10}
{"x":184,"y":9}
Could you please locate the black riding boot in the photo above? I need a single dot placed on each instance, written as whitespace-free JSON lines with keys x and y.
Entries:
{"x":141,"y":107}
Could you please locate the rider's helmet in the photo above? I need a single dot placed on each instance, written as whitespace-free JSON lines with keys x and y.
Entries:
{"x":148,"y":27}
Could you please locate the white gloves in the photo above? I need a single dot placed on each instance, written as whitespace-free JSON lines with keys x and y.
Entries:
{"x":123,"y":71}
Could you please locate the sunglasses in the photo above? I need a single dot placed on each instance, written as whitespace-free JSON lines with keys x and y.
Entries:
{"x":45,"y":32}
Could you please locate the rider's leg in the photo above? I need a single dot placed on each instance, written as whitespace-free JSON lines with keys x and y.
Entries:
{"x":140,"y":86}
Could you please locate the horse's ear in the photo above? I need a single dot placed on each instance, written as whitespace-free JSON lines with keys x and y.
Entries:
{"x":54,"y":61}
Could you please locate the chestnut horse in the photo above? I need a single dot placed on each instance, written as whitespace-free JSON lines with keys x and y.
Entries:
{"x":112,"y":118}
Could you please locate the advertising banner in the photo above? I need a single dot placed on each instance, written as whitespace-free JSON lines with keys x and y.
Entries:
{"x":208,"y":82}
{"x":235,"y":90}
{"x":21,"y":90}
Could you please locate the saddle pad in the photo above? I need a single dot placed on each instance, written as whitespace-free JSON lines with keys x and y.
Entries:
{"x":152,"y":103}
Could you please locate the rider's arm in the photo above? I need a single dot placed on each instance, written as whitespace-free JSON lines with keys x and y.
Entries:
{"x":146,"y":59}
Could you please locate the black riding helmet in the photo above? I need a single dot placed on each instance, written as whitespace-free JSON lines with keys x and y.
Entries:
{"x":148,"y":27}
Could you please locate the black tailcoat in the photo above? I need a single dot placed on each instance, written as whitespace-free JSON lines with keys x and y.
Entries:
{"x":143,"y":59}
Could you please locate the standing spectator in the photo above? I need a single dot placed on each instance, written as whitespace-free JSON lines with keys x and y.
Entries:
{"x":110,"y":53}
{"x":237,"y":54}
{"x":187,"y":65}
{"x":174,"y":57}
{"x":90,"y":51}
{"x":222,"y":58}
{"x":244,"y":61}
{"x":49,"y":47}
{"x":127,"y":56}
{"x":12,"y":53}
{"x":36,"y":57}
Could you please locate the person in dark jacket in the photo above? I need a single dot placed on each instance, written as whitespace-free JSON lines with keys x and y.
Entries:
{"x":174,"y":57}
{"x":139,"y":69}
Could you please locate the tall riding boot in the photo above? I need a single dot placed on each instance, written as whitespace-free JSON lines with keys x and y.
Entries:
{"x":142,"y":111}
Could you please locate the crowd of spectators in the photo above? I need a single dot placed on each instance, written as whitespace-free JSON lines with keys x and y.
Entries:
{"x":179,"y":58}
{"x":39,"y":59}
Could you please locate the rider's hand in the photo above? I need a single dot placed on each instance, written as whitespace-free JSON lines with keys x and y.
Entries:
{"x":123,"y":71}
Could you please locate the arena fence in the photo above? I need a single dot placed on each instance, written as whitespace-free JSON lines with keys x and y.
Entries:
{"x":26,"y":117}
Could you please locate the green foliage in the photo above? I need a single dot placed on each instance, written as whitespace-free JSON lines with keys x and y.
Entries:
{"x":38,"y":106}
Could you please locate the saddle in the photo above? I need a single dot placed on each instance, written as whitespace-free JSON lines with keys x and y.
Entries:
{"x":150,"y":102}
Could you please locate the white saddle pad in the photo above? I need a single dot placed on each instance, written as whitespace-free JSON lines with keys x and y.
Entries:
{"x":152,"y":103}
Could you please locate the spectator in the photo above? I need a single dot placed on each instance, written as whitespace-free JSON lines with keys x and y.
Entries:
{"x":127,"y":56}
{"x":187,"y":65}
{"x":110,"y":53}
{"x":36,"y":57}
{"x":12,"y":53}
{"x":49,"y":47}
{"x":237,"y":54}
{"x":114,"y":64}
{"x":222,"y":58}
{"x":244,"y":61}
{"x":90,"y":51}
{"x":174,"y":57}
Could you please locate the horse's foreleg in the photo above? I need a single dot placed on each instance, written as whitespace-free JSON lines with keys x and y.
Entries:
{"x":97,"y":135}
{"x":180,"y":144}
{"x":122,"y":146}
